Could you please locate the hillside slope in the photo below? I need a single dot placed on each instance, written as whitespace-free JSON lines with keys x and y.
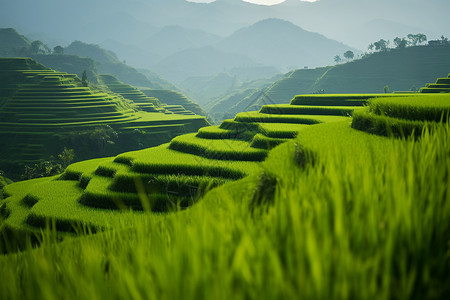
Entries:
{"x":399,"y":69}
{"x":11,"y":41}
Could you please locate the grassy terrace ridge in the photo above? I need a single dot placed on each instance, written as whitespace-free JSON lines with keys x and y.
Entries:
{"x":403,"y":115}
{"x":47,"y":108}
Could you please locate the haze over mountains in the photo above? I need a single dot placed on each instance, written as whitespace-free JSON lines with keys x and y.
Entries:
{"x":225,"y":33}
{"x":134,"y":21}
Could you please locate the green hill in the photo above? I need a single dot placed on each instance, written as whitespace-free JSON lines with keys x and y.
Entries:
{"x":93,"y":51}
{"x":42,"y":111}
{"x":399,"y":69}
{"x":108,"y":63}
{"x":71,"y":64}
{"x":11,"y":41}
{"x":78,"y":57}
{"x":285,"y":88}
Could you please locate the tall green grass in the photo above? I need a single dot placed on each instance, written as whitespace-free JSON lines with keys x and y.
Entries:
{"x":375,"y":225}
{"x":430,"y":107}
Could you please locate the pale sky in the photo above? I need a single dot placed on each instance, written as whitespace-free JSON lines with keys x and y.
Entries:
{"x":264,"y":2}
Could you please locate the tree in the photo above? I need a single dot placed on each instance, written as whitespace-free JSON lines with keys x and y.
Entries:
{"x":42,"y":169}
{"x":58,"y":50}
{"x":444,"y":40}
{"x":349,"y":55}
{"x":66,"y":157}
{"x":400,"y":43}
{"x":386,"y":89}
{"x":38,"y":47}
{"x":84,"y":78}
{"x":421,"y":38}
{"x":337,"y":59}
{"x":416,"y":39}
{"x":381,"y":45}
{"x":371,"y":46}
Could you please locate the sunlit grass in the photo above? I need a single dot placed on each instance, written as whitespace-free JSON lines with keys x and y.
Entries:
{"x":358,"y":223}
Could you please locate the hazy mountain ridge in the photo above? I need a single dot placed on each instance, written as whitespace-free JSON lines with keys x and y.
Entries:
{"x":11,"y":39}
{"x":282,"y":44}
{"x":138,"y":30}
{"x":214,"y":16}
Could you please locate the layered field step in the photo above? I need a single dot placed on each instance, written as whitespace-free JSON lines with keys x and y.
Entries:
{"x":403,"y":116}
{"x":153,"y":128}
{"x":263,"y":142}
{"x":217,"y":149}
{"x":287,"y":109}
{"x":257,"y":117}
{"x":442,"y":85}
{"x":127,"y":91}
{"x":171,"y":97}
{"x":337,"y":99}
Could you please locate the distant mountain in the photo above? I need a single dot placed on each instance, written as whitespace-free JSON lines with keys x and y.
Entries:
{"x":205,"y":61}
{"x":272,"y":43}
{"x":283,"y":45}
{"x":108,"y":63}
{"x":205,"y":88}
{"x":96,"y":21}
{"x":132,"y":54}
{"x":93,"y":51}
{"x":117,"y":25}
{"x":80,"y":56}
{"x":171,"y":39}
{"x":11,"y":40}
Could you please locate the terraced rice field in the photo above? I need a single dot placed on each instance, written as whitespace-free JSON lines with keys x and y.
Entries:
{"x":173,"y":98}
{"x":330,"y":204}
{"x":174,"y":176}
{"x":167,"y":177}
{"x":163,"y":101}
{"x":40,"y":105}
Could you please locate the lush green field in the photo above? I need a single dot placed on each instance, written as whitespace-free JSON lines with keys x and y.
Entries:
{"x":163,"y":178}
{"x":365,"y":219}
{"x":334,"y":212}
